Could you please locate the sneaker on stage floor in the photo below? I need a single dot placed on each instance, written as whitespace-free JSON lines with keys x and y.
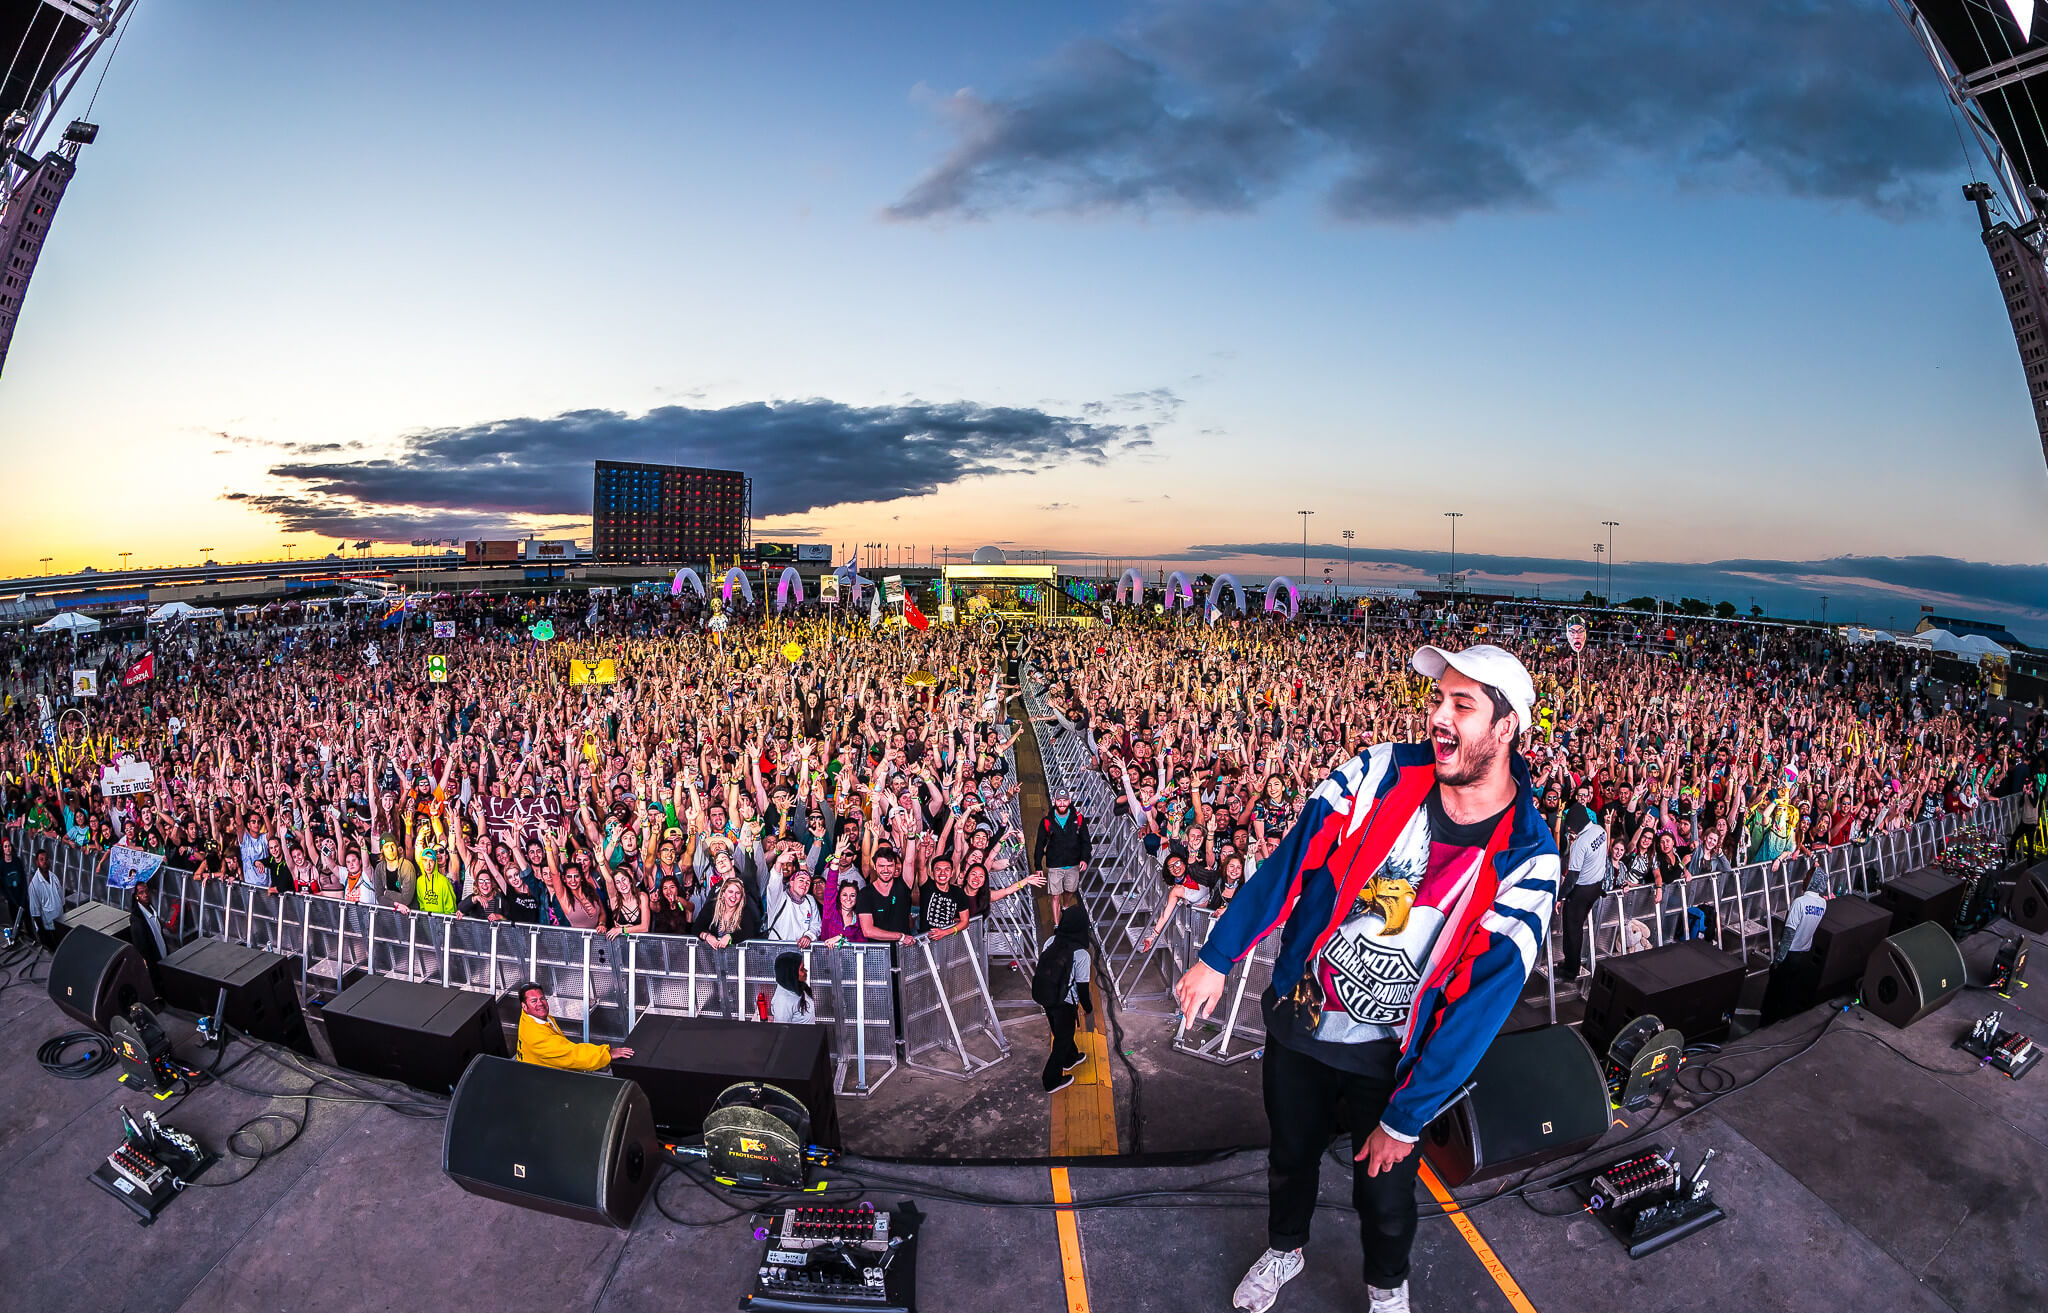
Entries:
{"x":1261,"y":1285}
{"x":1062,"y":1085}
{"x":1079,"y":1058}
{"x":1388,"y":1301}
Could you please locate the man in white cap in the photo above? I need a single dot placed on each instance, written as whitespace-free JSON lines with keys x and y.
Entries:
{"x":1412,"y":898}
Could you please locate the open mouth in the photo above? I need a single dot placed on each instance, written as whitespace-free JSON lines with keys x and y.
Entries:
{"x":1446,"y":746}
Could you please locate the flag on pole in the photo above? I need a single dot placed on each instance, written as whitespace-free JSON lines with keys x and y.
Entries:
{"x":875,"y":611}
{"x":140,"y":671}
{"x":914,"y":617}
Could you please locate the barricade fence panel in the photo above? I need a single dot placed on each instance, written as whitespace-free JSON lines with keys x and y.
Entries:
{"x":949,"y":1021}
{"x":599,"y":984}
{"x":946,"y":1019}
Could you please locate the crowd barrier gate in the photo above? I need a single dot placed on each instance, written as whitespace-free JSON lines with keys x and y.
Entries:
{"x":602,"y":984}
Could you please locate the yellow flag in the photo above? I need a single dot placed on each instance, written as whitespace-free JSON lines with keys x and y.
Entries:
{"x":593,"y":672}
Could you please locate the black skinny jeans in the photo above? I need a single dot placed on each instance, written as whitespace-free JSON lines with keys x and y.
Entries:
{"x":1060,"y":1018}
{"x":1305,"y":1100}
{"x":1578,"y":905}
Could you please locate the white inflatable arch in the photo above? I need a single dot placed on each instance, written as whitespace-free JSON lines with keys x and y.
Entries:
{"x":740,"y":576}
{"x":1224,"y":581}
{"x":1179,"y":592}
{"x":1130,"y":588}
{"x":790,"y":582}
{"x":1281,"y":581}
{"x":686,"y":576}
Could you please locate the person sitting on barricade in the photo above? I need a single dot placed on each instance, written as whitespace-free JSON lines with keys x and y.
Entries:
{"x":542,"y":1042}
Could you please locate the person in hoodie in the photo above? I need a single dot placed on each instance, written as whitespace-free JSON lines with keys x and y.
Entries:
{"x":792,"y":1003}
{"x":1059,"y":984}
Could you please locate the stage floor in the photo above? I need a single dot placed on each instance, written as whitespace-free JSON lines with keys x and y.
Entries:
{"x":1872,"y":1170}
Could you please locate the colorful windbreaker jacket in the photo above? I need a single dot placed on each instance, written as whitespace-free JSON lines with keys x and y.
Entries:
{"x":1496,"y":918}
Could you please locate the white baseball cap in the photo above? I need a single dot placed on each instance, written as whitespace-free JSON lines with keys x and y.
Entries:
{"x":1493,"y":666}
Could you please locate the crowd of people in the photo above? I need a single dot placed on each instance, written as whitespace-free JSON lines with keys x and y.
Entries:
{"x":802,"y":783}
{"x":806,"y":781}
{"x":1674,"y":750}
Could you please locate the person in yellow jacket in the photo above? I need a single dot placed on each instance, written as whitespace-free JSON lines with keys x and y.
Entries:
{"x":542,"y":1042}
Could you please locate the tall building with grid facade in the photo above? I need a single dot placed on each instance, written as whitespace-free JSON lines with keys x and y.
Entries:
{"x":657,"y":513}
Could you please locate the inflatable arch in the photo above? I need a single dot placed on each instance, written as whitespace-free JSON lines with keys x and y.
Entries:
{"x":739,"y":575}
{"x":689,"y":576}
{"x":1179,"y":592}
{"x":1223,"y":581}
{"x":790,"y":582}
{"x":1130,"y":589}
{"x":1281,"y":581}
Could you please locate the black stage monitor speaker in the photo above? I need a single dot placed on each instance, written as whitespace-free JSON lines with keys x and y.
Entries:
{"x":2027,"y":905}
{"x":564,"y":1142}
{"x":1922,"y":896}
{"x":422,"y":1035}
{"x":94,"y":978}
{"x":1847,"y":935}
{"x":1912,"y":974}
{"x":106,"y":918}
{"x":1537,"y":1095}
{"x":1690,"y":985}
{"x":685,"y":1063}
{"x":263,"y":996}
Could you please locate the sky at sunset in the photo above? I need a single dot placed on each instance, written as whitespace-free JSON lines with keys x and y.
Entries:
{"x":1129,"y":282}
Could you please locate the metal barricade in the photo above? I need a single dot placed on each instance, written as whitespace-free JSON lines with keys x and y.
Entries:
{"x":1230,"y":1034}
{"x":948,"y":1016}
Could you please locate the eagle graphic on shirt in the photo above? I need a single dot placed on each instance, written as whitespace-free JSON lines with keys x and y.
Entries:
{"x":1371,"y":967}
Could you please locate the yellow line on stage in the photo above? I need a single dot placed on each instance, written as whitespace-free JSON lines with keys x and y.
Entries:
{"x":1070,"y":1244}
{"x":1480,"y":1249}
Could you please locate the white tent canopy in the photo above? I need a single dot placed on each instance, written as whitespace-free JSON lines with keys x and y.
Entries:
{"x":172,"y":611}
{"x":1970,"y":647}
{"x":69,"y":622}
{"x":1977,"y":645}
{"x":1857,"y":636}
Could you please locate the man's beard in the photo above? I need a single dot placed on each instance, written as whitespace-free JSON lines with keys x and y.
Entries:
{"x":1479,"y":764}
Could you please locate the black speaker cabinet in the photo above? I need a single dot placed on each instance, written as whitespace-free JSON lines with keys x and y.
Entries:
{"x":1690,"y":986}
{"x":1842,"y":944}
{"x":685,"y":1063}
{"x":1537,"y":1095}
{"x":106,"y":918}
{"x":421,"y":1035}
{"x":1922,"y":896}
{"x":263,"y":994}
{"x":569,"y":1143}
{"x":95,"y":978}
{"x":1913,"y":973}
{"x":2027,"y":905}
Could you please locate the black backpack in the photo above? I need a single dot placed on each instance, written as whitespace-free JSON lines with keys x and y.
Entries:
{"x":1054,"y":974}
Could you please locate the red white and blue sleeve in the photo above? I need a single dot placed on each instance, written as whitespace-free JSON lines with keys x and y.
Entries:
{"x":1268,"y":895}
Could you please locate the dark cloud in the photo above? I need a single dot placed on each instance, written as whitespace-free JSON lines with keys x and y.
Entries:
{"x":1408,"y":112}
{"x":803,"y":455}
{"x":1876,"y":589}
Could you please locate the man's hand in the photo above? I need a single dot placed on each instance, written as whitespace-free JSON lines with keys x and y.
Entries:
{"x":1382,"y":1151}
{"x":624,"y":1052}
{"x":1199,"y":991}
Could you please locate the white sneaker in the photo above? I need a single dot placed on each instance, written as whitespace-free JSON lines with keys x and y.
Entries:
{"x":1388,"y":1301}
{"x":1261,"y":1285}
